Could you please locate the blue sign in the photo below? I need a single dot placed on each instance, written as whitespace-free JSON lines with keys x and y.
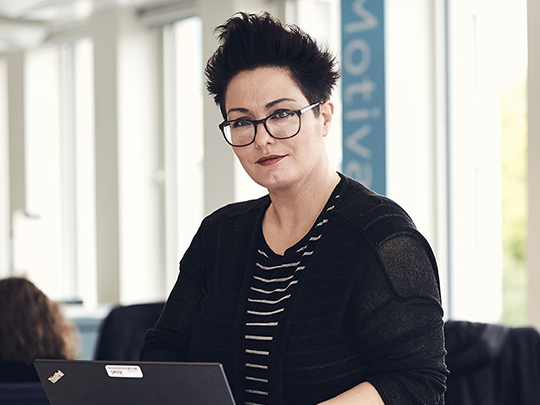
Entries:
{"x":364,"y":129}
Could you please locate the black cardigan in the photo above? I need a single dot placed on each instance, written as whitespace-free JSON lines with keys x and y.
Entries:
{"x":367,"y":309}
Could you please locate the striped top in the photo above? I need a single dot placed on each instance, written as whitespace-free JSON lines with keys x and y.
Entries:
{"x":274,"y":280}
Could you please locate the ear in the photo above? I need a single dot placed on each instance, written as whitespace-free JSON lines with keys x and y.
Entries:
{"x":327,"y":112}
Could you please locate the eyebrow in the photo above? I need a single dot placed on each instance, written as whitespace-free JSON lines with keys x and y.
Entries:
{"x":268,"y":105}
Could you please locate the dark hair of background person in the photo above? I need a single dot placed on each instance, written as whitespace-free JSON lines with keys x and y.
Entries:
{"x":249,"y":41}
{"x":31,"y":325}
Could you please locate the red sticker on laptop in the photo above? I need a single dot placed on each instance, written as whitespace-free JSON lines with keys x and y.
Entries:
{"x":123,"y":371}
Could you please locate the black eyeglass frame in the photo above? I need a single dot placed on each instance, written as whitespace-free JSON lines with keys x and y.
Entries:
{"x":256,"y":123}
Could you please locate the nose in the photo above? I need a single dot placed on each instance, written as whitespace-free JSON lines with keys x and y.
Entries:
{"x":262,"y":137}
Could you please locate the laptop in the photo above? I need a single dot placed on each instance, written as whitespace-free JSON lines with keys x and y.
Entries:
{"x":73,"y":382}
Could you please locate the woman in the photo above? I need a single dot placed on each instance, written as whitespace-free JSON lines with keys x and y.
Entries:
{"x":322,"y":291}
{"x":31,"y":327}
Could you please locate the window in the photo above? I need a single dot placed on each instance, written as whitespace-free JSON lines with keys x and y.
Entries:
{"x":38,"y":237}
{"x":84,"y":193}
{"x":514,"y":164}
{"x":54,"y":237}
{"x":487,"y":68}
{"x":184,"y":153}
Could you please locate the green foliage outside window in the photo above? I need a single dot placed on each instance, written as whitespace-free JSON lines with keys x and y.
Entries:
{"x":514,"y":203}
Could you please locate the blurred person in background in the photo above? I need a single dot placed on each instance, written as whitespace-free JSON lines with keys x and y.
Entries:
{"x":321,"y":291}
{"x":31,"y":327}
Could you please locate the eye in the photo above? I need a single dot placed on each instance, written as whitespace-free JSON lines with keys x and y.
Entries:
{"x":240,"y":123}
{"x":282,"y":114}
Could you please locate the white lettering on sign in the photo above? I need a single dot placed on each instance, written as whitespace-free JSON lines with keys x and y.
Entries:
{"x":368,"y":21}
{"x":358,"y":93}
{"x":353,"y":141}
{"x":351,"y":65}
{"x":124,"y":371}
{"x":366,"y":88}
{"x":363,"y":114}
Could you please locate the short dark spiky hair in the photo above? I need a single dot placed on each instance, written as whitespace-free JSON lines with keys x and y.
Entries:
{"x":249,"y":41}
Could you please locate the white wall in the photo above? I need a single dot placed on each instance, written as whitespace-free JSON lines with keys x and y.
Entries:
{"x":104,"y":35}
{"x":141,"y":199}
{"x":16,"y":127}
{"x":130,"y":248}
{"x":533,"y":233}
{"x":5,"y":243}
{"x":218,"y":158}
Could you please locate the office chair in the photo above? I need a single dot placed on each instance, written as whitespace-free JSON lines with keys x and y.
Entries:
{"x":492,"y":364}
{"x":122,"y":332}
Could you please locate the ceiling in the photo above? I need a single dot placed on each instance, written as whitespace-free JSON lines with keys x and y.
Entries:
{"x":53,"y":10}
{"x":26,"y":23}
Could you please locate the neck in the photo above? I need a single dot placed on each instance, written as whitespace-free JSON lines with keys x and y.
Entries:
{"x":299,"y":206}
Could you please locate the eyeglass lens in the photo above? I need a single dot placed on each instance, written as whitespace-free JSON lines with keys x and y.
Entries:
{"x":282,"y":124}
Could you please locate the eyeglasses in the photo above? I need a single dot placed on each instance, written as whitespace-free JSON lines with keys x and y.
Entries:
{"x":282,"y":124}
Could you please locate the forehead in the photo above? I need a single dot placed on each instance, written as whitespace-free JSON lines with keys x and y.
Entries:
{"x":253,"y":89}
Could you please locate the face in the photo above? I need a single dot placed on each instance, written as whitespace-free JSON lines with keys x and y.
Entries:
{"x":278,"y":163}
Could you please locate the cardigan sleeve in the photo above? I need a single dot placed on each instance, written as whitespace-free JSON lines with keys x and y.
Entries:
{"x":399,"y":322}
{"x":169,"y":339}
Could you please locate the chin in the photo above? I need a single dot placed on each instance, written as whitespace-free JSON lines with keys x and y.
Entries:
{"x":274,"y":183}
{"x":275,"y":178}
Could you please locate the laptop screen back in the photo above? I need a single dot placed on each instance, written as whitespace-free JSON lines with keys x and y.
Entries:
{"x":68,"y":382}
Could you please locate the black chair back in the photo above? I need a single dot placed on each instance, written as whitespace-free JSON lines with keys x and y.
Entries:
{"x":123,"y":330}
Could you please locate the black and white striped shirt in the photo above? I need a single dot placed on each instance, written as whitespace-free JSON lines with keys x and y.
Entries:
{"x":274,"y":280}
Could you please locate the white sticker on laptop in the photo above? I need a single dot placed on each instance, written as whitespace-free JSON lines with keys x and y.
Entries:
{"x":56,"y":376}
{"x":124,"y":371}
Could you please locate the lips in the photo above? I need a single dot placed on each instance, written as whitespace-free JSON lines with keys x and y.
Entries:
{"x":270,"y":160}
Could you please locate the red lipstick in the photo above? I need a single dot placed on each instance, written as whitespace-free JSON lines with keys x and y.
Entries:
{"x":269,"y":160}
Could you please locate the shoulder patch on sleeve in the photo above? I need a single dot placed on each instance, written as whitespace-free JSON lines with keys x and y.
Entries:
{"x":410,"y":267}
